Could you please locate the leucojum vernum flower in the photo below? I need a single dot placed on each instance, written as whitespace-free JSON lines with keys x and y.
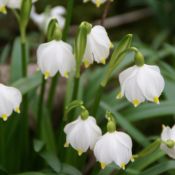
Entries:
{"x":10,"y":99}
{"x":141,"y":82}
{"x":168,"y":141}
{"x":114,"y":146}
{"x":82,"y":133}
{"x":97,"y":47}
{"x":13,"y":4}
{"x":55,"y":56}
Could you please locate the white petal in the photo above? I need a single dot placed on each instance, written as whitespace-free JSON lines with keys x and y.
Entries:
{"x":100,"y":43}
{"x":16,"y":4}
{"x":65,"y":58}
{"x":102,"y":150}
{"x":150,"y":82}
{"x":124,"y":139}
{"x":169,"y":151}
{"x":166,"y":133}
{"x":88,"y":56}
{"x":47,"y":57}
{"x":126,"y":74}
{"x":131,"y":89}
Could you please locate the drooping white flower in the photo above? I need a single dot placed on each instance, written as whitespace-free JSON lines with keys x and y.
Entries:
{"x":114,"y":147}
{"x":140,"y":83}
{"x":168,"y":138}
{"x":97,"y":2}
{"x":97,"y":47}
{"x":82,"y":134}
{"x":43,"y":19}
{"x":10,"y":99}
{"x":55,"y":56}
{"x":13,"y":4}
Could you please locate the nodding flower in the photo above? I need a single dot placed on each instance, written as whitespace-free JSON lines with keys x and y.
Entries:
{"x":140,"y":83}
{"x":82,"y":134}
{"x":97,"y":47}
{"x":10,"y":100}
{"x":55,"y":56}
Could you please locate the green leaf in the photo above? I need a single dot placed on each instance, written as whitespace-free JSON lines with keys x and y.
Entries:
{"x":49,"y":157}
{"x":31,"y":173}
{"x":27,"y":84}
{"x":160,"y":168}
{"x":150,"y":111}
{"x":70,"y":170}
{"x":4,"y":54}
{"x":143,"y":162}
{"x":16,"y":70}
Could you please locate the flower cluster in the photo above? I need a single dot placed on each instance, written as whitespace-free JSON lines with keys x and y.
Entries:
{"x":114,"y":146}
{"x":55,"y":56}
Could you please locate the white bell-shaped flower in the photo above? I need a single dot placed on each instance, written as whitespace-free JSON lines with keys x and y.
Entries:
{"x":13,"y":4}
{"x":55,"y":56}
{"x":42,"y":20}
{"x":114,"y":147}
{"x":10,"y":99}
{"x":82,"y":134}
{"x":140,"y":83}
{"x":168,"y":141}
{"x":97,"y":47}
{"x":97,"y":2}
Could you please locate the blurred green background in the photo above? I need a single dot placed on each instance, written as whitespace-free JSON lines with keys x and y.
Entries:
{"x":153,"y":35}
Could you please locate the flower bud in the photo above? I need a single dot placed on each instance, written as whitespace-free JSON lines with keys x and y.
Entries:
{"x":26,"y":7}
{"x":54,"y":31}
{"x":116,"y":58}
{"x":80,"y":44}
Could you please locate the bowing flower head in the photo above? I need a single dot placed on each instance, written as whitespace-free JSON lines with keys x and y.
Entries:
{"x":55,"y":56}
{"x":140,"y":83}
{"x":82,"y":134}
{"x":10,"y":99}
{"x":97,"y":47}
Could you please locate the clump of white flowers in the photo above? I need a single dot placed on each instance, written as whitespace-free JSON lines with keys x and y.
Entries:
{"x":42,"y":20}
{"x":10,"y":99}
{"x":168,"y":141}
{"x":97,"y":2}
{"x":141,"y":82}
{"x":97,"y":47}
{"x":82,"y":133}
{"x":55,"y":56}
{"x":114,"y":146}
{"x":13,"y":4}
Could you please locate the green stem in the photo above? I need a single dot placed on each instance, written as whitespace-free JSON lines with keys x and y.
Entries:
{"x":97,"y":100}
{"x":70,"y":4}
{"x":40,"y":105}
{"x":52,"y":93}
{"x":76,"y":87}
{"x":24,"y":112}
